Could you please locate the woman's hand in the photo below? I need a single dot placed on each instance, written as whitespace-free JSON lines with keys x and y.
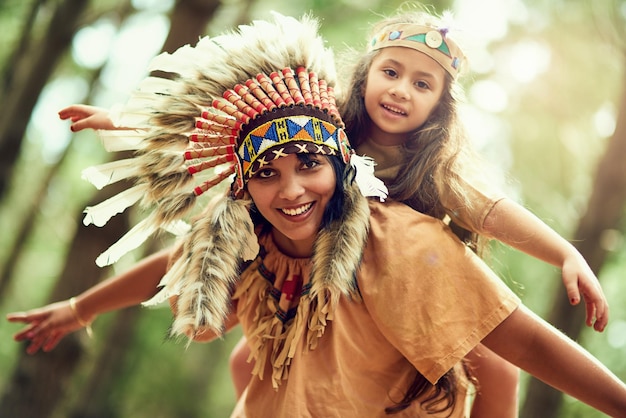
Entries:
{"x":47,"y":325}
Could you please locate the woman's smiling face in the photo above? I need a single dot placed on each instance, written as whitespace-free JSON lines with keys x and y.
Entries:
{"x":292,"y":193}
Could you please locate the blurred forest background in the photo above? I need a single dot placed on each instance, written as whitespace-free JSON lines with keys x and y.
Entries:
{"x":545,"y":104}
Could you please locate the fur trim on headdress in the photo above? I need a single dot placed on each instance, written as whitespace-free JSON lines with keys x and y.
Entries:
{"x":205,"y":275}
{"x":338,"y":248}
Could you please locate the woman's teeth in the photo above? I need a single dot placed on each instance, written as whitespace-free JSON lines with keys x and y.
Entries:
{"x":297,"y":211}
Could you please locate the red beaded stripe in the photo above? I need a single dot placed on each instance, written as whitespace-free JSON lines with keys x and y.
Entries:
{"x":303,"y":77}
{"x":266,"y":85}
{"x":193,"y":169}
{"x":292,"y":85}
{"x":281,"y":88}
{"x":258,"y":92}
{"x":214,"y":181}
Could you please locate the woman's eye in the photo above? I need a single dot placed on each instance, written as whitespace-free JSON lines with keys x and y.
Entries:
{"x":311,"y":164}
{"x":264,"y":173}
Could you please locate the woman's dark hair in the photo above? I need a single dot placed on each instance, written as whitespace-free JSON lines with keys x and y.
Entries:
{"x":334,"y":209}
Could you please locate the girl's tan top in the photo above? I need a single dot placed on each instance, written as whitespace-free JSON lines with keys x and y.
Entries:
{"x":427,"y":300}
{"x":388,"y":162}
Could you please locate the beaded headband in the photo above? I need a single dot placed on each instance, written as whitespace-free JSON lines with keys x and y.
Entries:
{"x":285,"y":113}
{"x":426,"y":39}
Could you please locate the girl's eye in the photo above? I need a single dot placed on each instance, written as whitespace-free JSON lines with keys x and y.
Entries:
{"x":390,"y":72}
{"x":422,"y":85}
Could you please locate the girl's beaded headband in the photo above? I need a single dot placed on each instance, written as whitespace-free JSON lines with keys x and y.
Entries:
{"x":431,"y":41}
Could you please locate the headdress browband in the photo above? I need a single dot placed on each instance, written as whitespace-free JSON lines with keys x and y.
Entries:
{"x":426,"y":39}
{"x":291,"y":110}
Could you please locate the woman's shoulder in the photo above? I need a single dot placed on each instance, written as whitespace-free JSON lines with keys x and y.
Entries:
{"x":397,"y":231}
{"x":397,"y":217}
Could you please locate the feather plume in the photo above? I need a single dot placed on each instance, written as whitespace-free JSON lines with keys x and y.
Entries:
{"x":159,"y":163}
{"x":166,"y":142}
{"x":369,"y":185}
{"x":100,"y":214}
{"x":339,"y":248}
{"x":170,"y":283}
{"x":131,"y":240}
{"x":215,"y":248}
{"x":121,"y":140}
{"x":177,"y":227}
{"x":174,"y":206}
{"x":109,"y":173}
{"x":158,"y":85}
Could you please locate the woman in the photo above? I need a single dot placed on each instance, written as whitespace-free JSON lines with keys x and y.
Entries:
{"x":350,"y":307}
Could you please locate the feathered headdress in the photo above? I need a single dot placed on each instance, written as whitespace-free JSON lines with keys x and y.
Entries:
{"x":234,"y":100}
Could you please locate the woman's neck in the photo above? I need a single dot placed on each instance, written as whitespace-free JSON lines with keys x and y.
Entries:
{"x":292,"y":248}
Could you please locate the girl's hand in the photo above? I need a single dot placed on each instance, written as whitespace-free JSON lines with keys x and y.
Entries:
{"x":579,"y":281}
{"x":47,"y":325}
{"x":84,"y":117}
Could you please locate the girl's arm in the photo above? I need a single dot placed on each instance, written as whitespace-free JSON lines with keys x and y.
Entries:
{"x":49,"y":324}
{"x":532,"y":344}
{"x":517,"y":227}
{"x":87,"y":117}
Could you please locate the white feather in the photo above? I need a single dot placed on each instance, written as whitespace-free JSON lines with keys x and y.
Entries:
{"x":133,"y":114}
{"x":100,"y":214}
{"x":121,"y":140}
{"x":182,"y":61}
{"x":109,"y":173}
{"x":369,"y":185}
{"x":177,"y":228}
{"x":136,"y":119}
{"x":169,"y":287}
{"x":158,"y":85}
{"x":131,"y":240}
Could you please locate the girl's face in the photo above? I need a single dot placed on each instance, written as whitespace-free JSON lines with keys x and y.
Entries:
{"x":292,"y":196}
{"x":403,"y":87}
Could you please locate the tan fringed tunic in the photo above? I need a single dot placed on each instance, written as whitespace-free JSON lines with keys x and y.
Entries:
{"x":426,"y":302}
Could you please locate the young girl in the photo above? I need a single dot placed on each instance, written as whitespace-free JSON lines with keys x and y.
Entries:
{"x":340,"y":320}
{"x":400,"y":108}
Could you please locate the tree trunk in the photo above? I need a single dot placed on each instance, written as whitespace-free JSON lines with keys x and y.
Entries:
{"x":44,"y":377}
{"x":26,"y":226}
{"x":31,"y":74}
{"x":189,"y":21}
{"x":605,"y":211}
{"x":93,"y":400}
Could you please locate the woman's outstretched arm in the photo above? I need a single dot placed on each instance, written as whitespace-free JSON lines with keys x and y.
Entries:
{"x":49,"y":324}
{"x":533,"y":345}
